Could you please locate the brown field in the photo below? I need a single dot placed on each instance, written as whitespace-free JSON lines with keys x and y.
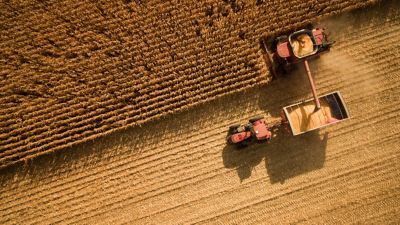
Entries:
{"x":179,"y":170}
{"x":73,"y":70}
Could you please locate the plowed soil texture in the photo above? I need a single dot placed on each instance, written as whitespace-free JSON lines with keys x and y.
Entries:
{"x":179,"y":169}
{"x":72,"y":70}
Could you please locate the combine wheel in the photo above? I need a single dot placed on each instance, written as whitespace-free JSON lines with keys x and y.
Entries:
{"x":309,"y":26}
{"x":269,"y":44}
{"x":287,"y":68}
{"x":281,"y":38}
{"x":269,"y":56}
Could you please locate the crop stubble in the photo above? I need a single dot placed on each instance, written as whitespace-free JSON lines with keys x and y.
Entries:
{"x":170,"y":173}
{"x":76,"y":70}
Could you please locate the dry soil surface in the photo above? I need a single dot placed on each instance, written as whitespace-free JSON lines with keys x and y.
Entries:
{"x":179,"y":170}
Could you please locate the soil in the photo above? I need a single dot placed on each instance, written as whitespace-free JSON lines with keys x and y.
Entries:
{"x":179,"y":169}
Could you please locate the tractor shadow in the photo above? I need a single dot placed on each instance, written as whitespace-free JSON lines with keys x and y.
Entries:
{"x":285,"y":156}
{"x":244,"y":159}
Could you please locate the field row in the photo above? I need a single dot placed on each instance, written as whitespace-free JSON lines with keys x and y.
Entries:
{"x":76,"y":70}
{"x":181,"y":170}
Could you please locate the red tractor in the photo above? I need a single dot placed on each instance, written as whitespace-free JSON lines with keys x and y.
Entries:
{"x":257,"y":130}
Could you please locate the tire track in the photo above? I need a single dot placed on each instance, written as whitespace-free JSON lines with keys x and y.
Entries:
{"x":185,"y":166}
{"x":223,"y":128}
{"x":168,"y":159}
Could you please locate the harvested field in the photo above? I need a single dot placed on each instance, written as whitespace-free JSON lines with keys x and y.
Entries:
{"x":179,"y":170}
{"x":72,"y":71}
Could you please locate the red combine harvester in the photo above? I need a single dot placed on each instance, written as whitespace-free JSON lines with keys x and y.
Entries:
{"x":281,"y":55}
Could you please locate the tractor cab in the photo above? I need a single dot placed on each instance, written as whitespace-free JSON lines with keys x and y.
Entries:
{"x":261,"y":131}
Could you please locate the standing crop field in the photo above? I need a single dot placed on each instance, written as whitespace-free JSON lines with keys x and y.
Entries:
{"x":180,"y":170}
{"x":72,"y":71}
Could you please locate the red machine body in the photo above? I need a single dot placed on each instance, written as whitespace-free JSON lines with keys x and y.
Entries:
{"x":283,"y":52}
{"x":239,"y":137}
{"x":287,"y":46}
{"x":261,"y":130}
{"x":256,"y":130}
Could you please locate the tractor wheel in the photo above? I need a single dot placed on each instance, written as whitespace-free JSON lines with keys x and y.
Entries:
{"x":228,"y":139}
{"x":248,"y":127}
{"x":256,"y":118}
{"x":242,"y":145}
{"x":233,"y":128}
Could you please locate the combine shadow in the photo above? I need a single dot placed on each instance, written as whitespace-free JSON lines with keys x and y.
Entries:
{"x":290,"y":156}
